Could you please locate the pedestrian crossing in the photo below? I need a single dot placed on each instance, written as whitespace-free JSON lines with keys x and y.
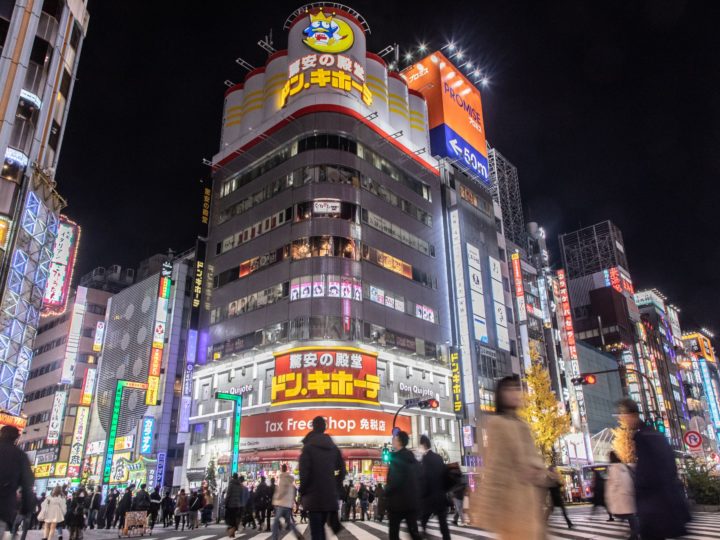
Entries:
{"x":586,"y":526}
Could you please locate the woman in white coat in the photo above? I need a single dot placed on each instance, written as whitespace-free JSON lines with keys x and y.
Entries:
{"x":53,"y":512}
{"x":620,"y":493}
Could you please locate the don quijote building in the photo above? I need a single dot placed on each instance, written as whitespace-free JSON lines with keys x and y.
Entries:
{"x":325,"y":283}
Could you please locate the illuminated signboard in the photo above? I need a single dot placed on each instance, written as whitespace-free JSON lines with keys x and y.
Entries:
{"x":10,"y":420}
{"x":309,"y":374}
{"x":326,"y":207}
{"x":160,"y":470}
{"x":159,"y":328}
{"x":73,"y":340}
{"x":99,"y":335}
{"x":498,"y":296}
{"x":94,"y":448}
{"x":198,"y":284}
{"x":114,"y":420}
{"x":44,"y":470}
{"x":4,"y":230}
{"x":477,"y":298}
{"x":237,"y":417}
{"x":76,"y":450}
{"x":56,"y":416}
{"x":328,"y":34}
{"x":147,"y":430}
{"x":710,"y":395}
{"x":519,"y":288}
{"x":455,"y":382}
{"x":566,"y":314}
{"x":61,"y":267}
{"x":457,"y":130}
{"x":88,"y":386}
{"x":124,"y":443}
{"x":186,"y":395}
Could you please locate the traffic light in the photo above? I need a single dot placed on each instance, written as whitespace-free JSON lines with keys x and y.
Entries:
{"x":584,"y":379}
{"x":428,"y":404}
{"x":385,"y":454}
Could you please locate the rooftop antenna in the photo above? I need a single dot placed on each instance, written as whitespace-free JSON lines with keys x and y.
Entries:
{"x":246,"y":65}
{"x":266,"y":43}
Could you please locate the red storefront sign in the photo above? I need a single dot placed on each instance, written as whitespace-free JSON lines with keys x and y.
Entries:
{"x":311,"y":374}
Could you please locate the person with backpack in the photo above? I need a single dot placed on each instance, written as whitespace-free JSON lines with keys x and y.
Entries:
{"x":141,"y":501}
{"x":352,"y":501}
{"x":620,"y":494}
{"x":433,"y":493}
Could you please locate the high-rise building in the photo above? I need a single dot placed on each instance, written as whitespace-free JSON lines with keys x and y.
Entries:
{"x":40,"y":45}
{"x":506,"y":192}
{"x":705,"y":388}
{"x":134,"y":419}
{"x":326,"y":268}
{"x":60,"y":388}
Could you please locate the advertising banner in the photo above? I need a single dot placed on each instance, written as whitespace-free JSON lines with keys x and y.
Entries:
{"x":345,"y":426}
{"x":310,"y":374}
{"x":147,"y":430}
{"x":457,"y":129}
{"x":99,"y":335}
{"x":61,"y":266}
{"x":76,"y":450}
{"x":86,"y":394}
{"x":56,"y":416}
{"x":73,"y":340}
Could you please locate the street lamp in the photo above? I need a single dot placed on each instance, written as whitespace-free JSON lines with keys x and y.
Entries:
{"x":236,"y":399}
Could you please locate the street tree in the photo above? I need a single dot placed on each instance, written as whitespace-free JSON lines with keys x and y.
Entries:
{"x":543,"y":412}
{"x":210,"y":475}
{"x":623,"y":443}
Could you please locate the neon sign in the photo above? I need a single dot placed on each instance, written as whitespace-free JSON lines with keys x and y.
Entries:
{"x":61,"y":267}
{"x":58,"y":408}
{"x":159,"y":329}
{"x":519,"y":289}
{"x":237,"y":417}
{"x":147,"y":430}
{"x":455,"y":382}
{"x":76,"y":450}
{"x":327,"y":34}
{"x":114,"y":420}
{"x":566,"y":314}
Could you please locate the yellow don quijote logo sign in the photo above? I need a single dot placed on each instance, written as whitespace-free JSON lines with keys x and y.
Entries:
{"x":326,"y":34}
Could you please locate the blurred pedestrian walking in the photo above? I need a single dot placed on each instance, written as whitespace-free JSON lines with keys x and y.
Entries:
{"x":556,"y":497}
{"x":620,"y":493}
{"x":434,"y":480}
{"x":15,"y":473}
{"x":402,"y":491}
{"x":283,"y":499}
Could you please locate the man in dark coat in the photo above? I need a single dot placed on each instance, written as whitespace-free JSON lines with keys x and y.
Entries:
{"x":661,"y":504}
{"x":15,"y":474}
{"x":402,"y":492}
{"x":124,"y":506}
{"x":434,"y":497}
{"x":95,"y":501}
{"x":322,"y":470}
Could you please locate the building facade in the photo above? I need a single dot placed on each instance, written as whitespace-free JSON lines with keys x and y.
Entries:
{"x":40,"y":44}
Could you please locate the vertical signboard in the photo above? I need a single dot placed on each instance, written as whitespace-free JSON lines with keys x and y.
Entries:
{"x":88,"y":387}
{"x":519,"y":288}
{"x":78,"y":443}
{"x":114,"y":420}
{"x":61,"y":267}
{"x":571,"y":345}
{"x":160,"y":471}
{"x":477,"y":297}
{"x":461,"y":308}
{"x":56,"y":417}
{"x":456,"y":382}
{"x":457,"y":129}
{"x":99,"y":336}
{"x":159,"y":329}
{"x":187,"y":382}
{"x":710,"y":395}
{"x":498,"y":296}
{"x":237,"y":418}
{"x":147,"y":432}
{"x":73,"y":339}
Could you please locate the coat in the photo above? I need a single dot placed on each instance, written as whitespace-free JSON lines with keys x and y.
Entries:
{"x":514,"y":480}
{"x":402,"y":491}
{"x":53,"y":509}
{"x":661,"y":504}
{"x":141,"y":501}
{"x":125,"y":503}
{"x":181,"y":503}
{"x":263,"y":496}
{"x":434,"y":478}
{"x":15,"y":473}
{"x":322,"y":470}
{"x":284,"y":491}
{"x":620,"y":490}
{"x":234,"y":494}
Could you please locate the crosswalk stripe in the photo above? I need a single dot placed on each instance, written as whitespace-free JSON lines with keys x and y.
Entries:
{"x":204,"y":537}
{"x":358,"y":532}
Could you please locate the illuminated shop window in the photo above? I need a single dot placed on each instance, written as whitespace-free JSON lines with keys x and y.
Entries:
{"x":398,"y":233}
{"x":251,"y":302}
{"x":256,"y":229}
{"x":398,"y":266}
{"x":399,"y":303}
{"x":323,"y":246}
{"x":321,"y":285}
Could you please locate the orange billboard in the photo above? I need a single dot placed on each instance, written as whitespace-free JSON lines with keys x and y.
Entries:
{"x":457,"y":129}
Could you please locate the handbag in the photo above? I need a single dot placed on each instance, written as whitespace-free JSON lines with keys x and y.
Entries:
{"x":43,"y":511}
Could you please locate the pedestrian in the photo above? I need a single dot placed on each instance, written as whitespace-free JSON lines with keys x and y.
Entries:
{"x":195,"y":505}
{"x":208,"y":505}
{"x":123,"y":507}
{"x":167,"y":507}
{"x":155,"y":501}
{"x":263,"y":498}
{"x":364,"y":498}
{"x":283,"y":502}
{"x":322,"y":471}
{"x":620,"y":493}
{"x":94,"y":507}
{"x":75,"y":515}
{"x":15,"y":474}
{"x":661,"y":505}
{"x":53,"y":512}
{"x":598,"y":498}
{"x":434,"y":496}
{"x":248,"y":510}
{"x":380,"y":497}
{"x":233,"y":504}
{"x":510,"y":501}
{"x":556,"y":497}
{"x":402,"y":491}
{"x":37,"y":524}
{"x":110,"y":508}
{"x":181,"y":509}
{"x":458,"y":489}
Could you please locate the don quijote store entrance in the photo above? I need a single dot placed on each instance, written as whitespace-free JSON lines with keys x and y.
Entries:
{"x":356,"y":390}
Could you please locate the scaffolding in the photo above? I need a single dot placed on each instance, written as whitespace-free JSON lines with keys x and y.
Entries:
{"x":592,"y":249}
{"x":506,"y":192}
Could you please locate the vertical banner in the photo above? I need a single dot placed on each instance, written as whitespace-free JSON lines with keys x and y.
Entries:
{"x":187,"y":382}
{"x":456,"y":382}
{"x":56,"y":417}
{"x":78,"y":444}
{"x":99,"y":336}
{"x":147,"y":433}
{"x":88,"y":387}
{"x":73,"y":339}
{"x":159,"y":331}
{"x":160,"y":471}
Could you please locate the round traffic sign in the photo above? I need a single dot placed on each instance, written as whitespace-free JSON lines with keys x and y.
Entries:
{"x":693,"y":439}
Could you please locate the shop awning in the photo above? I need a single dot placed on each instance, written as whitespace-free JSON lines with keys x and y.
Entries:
{"x":265,"y":456}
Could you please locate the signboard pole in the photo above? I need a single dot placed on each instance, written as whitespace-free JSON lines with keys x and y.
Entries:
{"x":236,"y":400}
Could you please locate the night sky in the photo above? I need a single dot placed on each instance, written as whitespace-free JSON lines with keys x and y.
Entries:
{"x":610,"y":110}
